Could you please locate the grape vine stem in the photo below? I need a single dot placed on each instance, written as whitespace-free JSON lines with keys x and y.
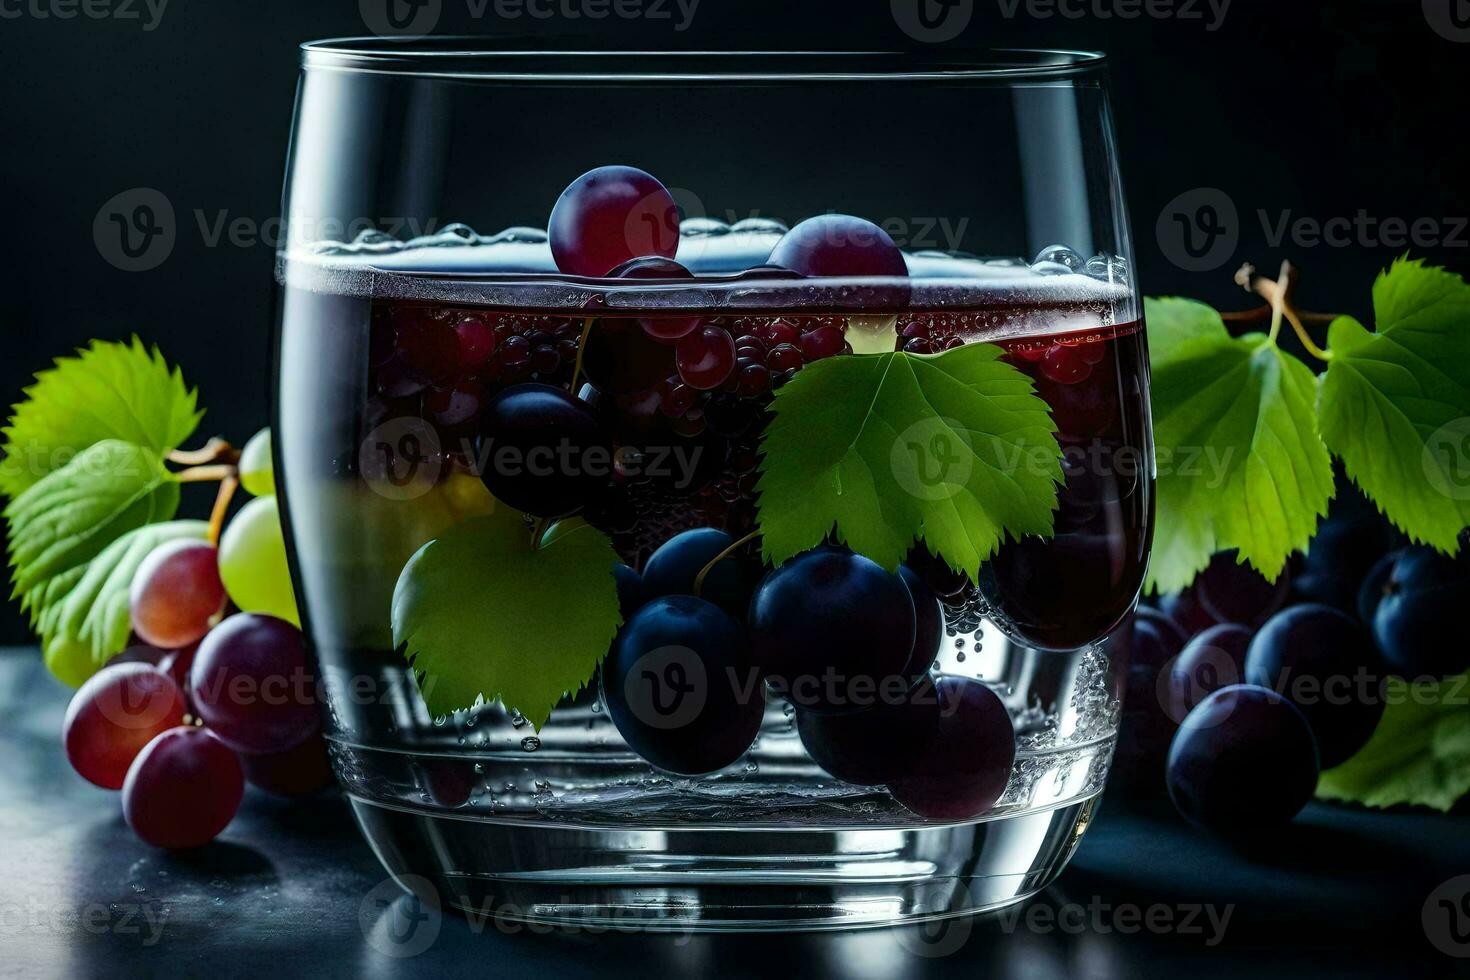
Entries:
{"x":221,"y":509}
{"x":581,"y":346}
{"x":703,"y":572}
{"x":1279,"y":294}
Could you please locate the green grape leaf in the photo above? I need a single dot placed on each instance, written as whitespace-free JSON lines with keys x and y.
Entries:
{"x":1173,"y":322}
{"x":1395,"y":404}
{"x":73,"y":515}
{"x":885,"y":449}
{"x":94,"y":611}
{"x":1419,"y":754}
{"x":1241,"y":463}
{"x":483,"y":614}
{"x":109,"y":390}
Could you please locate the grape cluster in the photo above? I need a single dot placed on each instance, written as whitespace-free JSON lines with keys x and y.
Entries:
{"x":218,"y":691}
{"x":1240,"y":690}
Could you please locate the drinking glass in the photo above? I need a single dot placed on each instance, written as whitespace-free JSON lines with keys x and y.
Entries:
{"x":431,"y":308}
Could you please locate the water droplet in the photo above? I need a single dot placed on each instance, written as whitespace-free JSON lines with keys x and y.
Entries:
{"x":530,"y":743}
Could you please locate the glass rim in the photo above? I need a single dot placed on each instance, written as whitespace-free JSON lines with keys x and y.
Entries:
{"x":508,"y":59}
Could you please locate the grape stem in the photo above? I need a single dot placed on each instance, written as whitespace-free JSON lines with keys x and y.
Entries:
{"x":581,"y":346}
{"x":207,"y":474}
{"x":1278,"y":293}
{"x":216,"y":450}
{"x":699,"y":579}
{"x":227,"y":488}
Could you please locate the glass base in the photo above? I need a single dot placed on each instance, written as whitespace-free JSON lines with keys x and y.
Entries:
{"x":722,"y":879}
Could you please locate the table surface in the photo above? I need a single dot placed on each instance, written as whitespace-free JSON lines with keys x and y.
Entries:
{"x":291,"y":888}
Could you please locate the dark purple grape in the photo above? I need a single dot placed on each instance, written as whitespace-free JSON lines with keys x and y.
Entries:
{"x":543,"y":450}
{"x":928,"y":624}
{"x":183,"y":789}
{"x":829,"y":627}
{"x":1235,"y":593}
{"x":942,"y":580}
{"x":252,"y":684}
{"x":871,"y":747}
{"x":1243,"y":763}
{"x":839,"y":245}
{"x":1375,"y":587}
{"x":1157,"y":639}
{"x":1146,"y":642}
{"x":1212,"y":660}
{"x":1417,"y":622}
{"x":1324,"y":662}
{"x":1342,"y":554}
{"x":672,"y":569}
{"x":630,"y":590}
{"x":665,"y":328}
{"x":300,"y":771}
{"x":965,"y":768}
{"x":610,"y":215}
{"x":680,"y":687}
{"x":118,"y":711}
{"x":427,"y":348}
{"x":705,"y":357}
{"x":1184,"y":609}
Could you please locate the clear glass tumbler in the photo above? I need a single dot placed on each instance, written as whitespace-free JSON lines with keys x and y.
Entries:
{"x":683,"y":331}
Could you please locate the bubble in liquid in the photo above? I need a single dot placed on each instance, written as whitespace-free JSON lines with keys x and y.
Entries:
{"x":1059,"y":255}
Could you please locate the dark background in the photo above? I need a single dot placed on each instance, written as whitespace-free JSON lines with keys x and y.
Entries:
{"x":1322,"y":110}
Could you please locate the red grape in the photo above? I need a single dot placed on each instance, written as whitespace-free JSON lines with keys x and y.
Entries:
{"x":784,"y":357}
{"x":114,"y":715}
{"x":427,"y":348}
{"x":476,"y":342}
{"x":301,"y":771}
{"x":176,"y":593}
{"x":705,"y":358}
{"x":666,"y":328}
{"x":610,"y":215}
{"x":839,"y":245}
{"x":252,"y":685}
{"x":822,"y":342}
{"x":182,"y":789}
{"x":1065,"y":365}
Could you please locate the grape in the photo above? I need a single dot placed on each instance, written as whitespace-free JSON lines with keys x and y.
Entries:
{"x":1184,"y":609}
{"x":1375,"y":587}
{"x":821,"y":343}
{"x":619,"y":358}
{"x":672,"y":569}
{"x":610,"y":215}
{"x":666,"y":328}
{"x":427,"y":349}
{"x":871,"y":747}
{"x":252,"y":684}
{"x":1417,"y":623}
{"x":476,"y":342}
{"x":177,"y":664}
{"x":1065,"y":364}
{"x":830,"y":627}
{"x":680,"y":688}
{"x":785,"y":357}
{"x":183,"y":789}
{"x":69,"y":659}
{"x":937,"y":575}
{"x":1323,"y":661}
{"x":1345,"y":550}
{"x":257,"y":471}
{"x":965,"y":768}
{"x":450,"y":782}
{"x":705,"y":358}
{"x":456,"y":405}
{"x":114,"y":714}
{"x":1212,"y":660}
{"x":1243,"y":762}
{"x":630,"y":590}
{"x":1148,"y":641}
{"x":838,"y":245}
{"x":176,"y":593}
{"x":544,"y":452}
{"x":300,"y":771}
{"x":928,"y":624}
{"x":1235,"y":593}
{"x":252,"y":561}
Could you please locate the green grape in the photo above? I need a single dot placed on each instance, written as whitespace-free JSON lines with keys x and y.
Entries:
{"x":252,"y":562}
{"x":70,"y":660}
{"x":256,"y":471}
